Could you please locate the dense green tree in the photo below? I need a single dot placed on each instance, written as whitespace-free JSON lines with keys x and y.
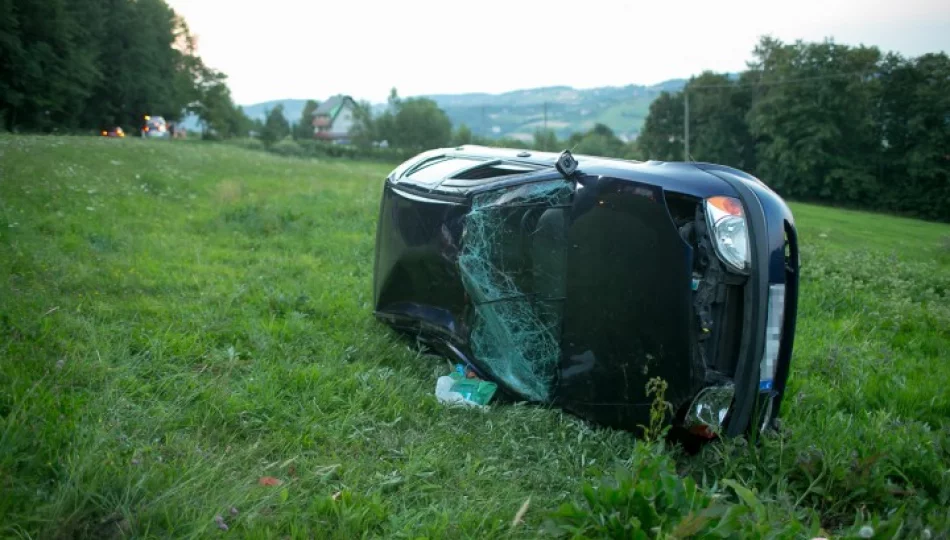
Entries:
{"x":215,"y":108}
{"x":598,"y":141}
{"x":275,"y":126}
{"x":914,"y":120}
{"x":420,"y":124}
{"x":303,"y":129}
{"x":820,"y":121}
{"x":142,"y":71}
{"x":816,"y":137}
{"x":364,"y":133}
{"x":84,"y":65}
{"x":718,"y":105}
{"x":462,"y":135}
{"x":411,"y":124}
{"x":662,"y":135}
{"x":48,"y":60}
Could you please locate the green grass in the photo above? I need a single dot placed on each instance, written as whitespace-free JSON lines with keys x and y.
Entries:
{"x":179,"y":320}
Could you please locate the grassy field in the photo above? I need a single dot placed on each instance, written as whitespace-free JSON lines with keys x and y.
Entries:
{"x":182,"y":323}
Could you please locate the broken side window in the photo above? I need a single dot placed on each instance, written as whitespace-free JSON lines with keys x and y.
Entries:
{"x":436,"y":170}
{"x":513,"y":264}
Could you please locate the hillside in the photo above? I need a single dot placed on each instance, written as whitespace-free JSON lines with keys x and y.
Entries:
{"x":520,"y":112}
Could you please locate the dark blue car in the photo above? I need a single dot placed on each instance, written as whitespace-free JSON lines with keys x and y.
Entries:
{"x":575,"y":280}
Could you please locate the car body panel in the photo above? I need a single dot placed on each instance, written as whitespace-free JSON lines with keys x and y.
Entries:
{"x":628,"y":315}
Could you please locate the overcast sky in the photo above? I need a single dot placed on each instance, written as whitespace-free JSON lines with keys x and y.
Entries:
{"x":305,"y":49}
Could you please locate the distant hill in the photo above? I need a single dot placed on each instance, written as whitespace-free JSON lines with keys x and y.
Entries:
{"x":520,"y":112}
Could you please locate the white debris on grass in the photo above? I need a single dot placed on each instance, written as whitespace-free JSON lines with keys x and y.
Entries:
{"x":444,"y":393}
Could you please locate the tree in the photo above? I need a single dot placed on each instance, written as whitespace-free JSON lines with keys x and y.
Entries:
{"x":75,"y":65}
{"x":462,"y":135}
{"x":213,"y":105}
{"x":820,"y":121}
{"x":364,"y":132}
{"x":662,"y":135}
{"x":914,"y":120}
{"x":599,"y":141}
{"x":817,"y":139}
{"x":275,"y":126}
{"x":48,"y":54}
{"x":142,"y":70}
{"x":304,"y":128}
{"x":420,"y":124}
{"x":718,"y":105}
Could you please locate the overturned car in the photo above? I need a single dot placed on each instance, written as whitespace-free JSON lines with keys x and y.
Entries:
{"x":573,"y":281}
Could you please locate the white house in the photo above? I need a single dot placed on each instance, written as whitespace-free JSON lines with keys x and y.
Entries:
{"x":334,"y":118}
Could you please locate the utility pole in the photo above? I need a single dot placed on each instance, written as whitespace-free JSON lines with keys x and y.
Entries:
{"x":685,"y":125}
{"x":545,"y":126}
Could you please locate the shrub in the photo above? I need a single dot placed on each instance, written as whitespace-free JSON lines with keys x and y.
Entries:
{"x":250,"y":143}
{"x":651,"y":500}
{"x":287,"y":147}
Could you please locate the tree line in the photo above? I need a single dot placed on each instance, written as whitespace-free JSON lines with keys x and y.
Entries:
{"x":824,"y":122}
{"x":77,"y":66}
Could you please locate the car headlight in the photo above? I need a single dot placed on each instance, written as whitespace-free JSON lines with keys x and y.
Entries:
{"x":730,"y":234}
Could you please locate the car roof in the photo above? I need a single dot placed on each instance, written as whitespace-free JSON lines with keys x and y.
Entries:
{"x":688,"y":178}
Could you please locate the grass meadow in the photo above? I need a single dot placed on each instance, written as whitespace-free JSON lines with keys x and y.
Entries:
{"x":187,"y":350}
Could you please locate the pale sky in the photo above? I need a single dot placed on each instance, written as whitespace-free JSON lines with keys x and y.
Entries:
{"x":311,"y":49}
